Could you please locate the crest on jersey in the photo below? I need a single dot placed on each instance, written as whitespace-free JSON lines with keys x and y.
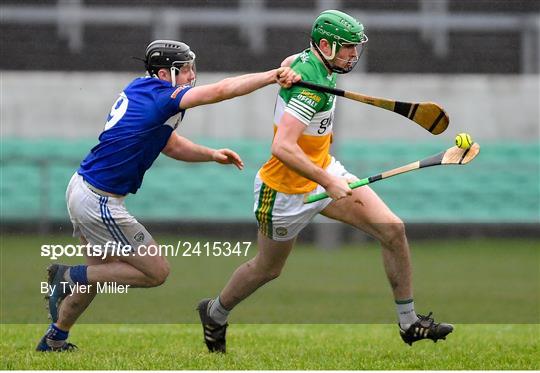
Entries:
{"x":178,"y":90}
{"x":139,"y":237}
{"x":281,"y":231}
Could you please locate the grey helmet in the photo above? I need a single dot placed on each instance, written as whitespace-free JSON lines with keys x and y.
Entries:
{"x":167,"y":54}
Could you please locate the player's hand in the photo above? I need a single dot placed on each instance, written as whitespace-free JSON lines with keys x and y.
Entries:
{"x":351,"y":179}
{"x":285,"y":77}
{"x":338,"y":188}
{"x":227,"y":156}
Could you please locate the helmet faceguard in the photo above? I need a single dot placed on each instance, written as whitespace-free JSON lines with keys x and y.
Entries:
{"x":170,"y":54}
{"x":338,"y":29}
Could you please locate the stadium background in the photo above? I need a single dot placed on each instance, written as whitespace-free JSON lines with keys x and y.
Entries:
{"x":63,"y":62}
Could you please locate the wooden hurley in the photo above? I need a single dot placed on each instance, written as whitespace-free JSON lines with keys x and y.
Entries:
{"x":429,"y":115}
{"x":454,"y":155}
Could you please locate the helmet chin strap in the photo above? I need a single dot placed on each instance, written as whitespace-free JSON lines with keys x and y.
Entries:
{"x":326,"y":59}
{"x":173,"y":76}
{"x":323,"y":57}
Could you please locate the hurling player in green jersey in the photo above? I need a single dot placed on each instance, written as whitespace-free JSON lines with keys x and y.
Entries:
{"x":301,"y":164}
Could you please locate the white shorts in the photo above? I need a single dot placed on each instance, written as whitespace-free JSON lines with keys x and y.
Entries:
{"x":282,"y":216}
{"x":101,"y":219}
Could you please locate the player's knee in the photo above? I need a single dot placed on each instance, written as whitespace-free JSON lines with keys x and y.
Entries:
{"x":159,"y":273}
{"x":273,"y":274}
{"x":267,"y":272}
{"x":164,"y":271}
{"x":393,"y":233}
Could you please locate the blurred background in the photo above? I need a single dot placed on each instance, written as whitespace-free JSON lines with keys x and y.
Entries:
{"x":63,"y":62}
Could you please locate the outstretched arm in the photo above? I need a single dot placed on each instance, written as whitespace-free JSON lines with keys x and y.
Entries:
{"x":182,"y":149}
{"x":237,"y":86}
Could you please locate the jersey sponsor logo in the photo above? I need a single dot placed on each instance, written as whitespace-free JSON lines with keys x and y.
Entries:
{"x":311,"y":95}
{"x":324,"y":125}
{"x":305,"y":99}
{"x":178,"y":90}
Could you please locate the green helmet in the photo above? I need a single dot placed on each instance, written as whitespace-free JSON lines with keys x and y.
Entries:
{"x":337,"y":28}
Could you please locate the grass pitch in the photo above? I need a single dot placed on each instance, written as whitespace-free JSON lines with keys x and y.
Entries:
{"x":264,"y":347}
{"x":342,"y":294}
{"x":465,"y":281}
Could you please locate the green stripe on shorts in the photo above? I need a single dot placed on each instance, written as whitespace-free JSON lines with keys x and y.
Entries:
{"x":267,"y":198}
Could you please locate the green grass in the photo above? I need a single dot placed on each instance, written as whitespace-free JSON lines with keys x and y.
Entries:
{"x":330,"y":309}
{"x":467,"y":281}
{"x":276,"y":347}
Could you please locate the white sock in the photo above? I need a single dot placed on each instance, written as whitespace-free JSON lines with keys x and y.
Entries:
{"x":68,"y":279}
{"x":217,"y":312}
{"x":406,"y":314}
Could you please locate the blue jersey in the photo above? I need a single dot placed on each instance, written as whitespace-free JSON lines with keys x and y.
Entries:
{"x":135,"y":133}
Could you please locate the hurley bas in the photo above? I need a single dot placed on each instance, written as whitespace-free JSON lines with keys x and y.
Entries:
{"x":109,"y":287}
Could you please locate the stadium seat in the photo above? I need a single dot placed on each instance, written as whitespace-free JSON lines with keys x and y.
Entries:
{"x":35,"y":174}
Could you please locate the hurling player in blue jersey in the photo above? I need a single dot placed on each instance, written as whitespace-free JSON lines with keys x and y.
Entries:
{"x":139,"y":127}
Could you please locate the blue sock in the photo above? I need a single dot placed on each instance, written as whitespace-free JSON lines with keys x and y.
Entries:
{"x":56,"y":334}
{"x":78,"y":274}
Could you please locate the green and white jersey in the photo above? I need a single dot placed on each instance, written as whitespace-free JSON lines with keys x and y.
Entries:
{"x":315,"y":110}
